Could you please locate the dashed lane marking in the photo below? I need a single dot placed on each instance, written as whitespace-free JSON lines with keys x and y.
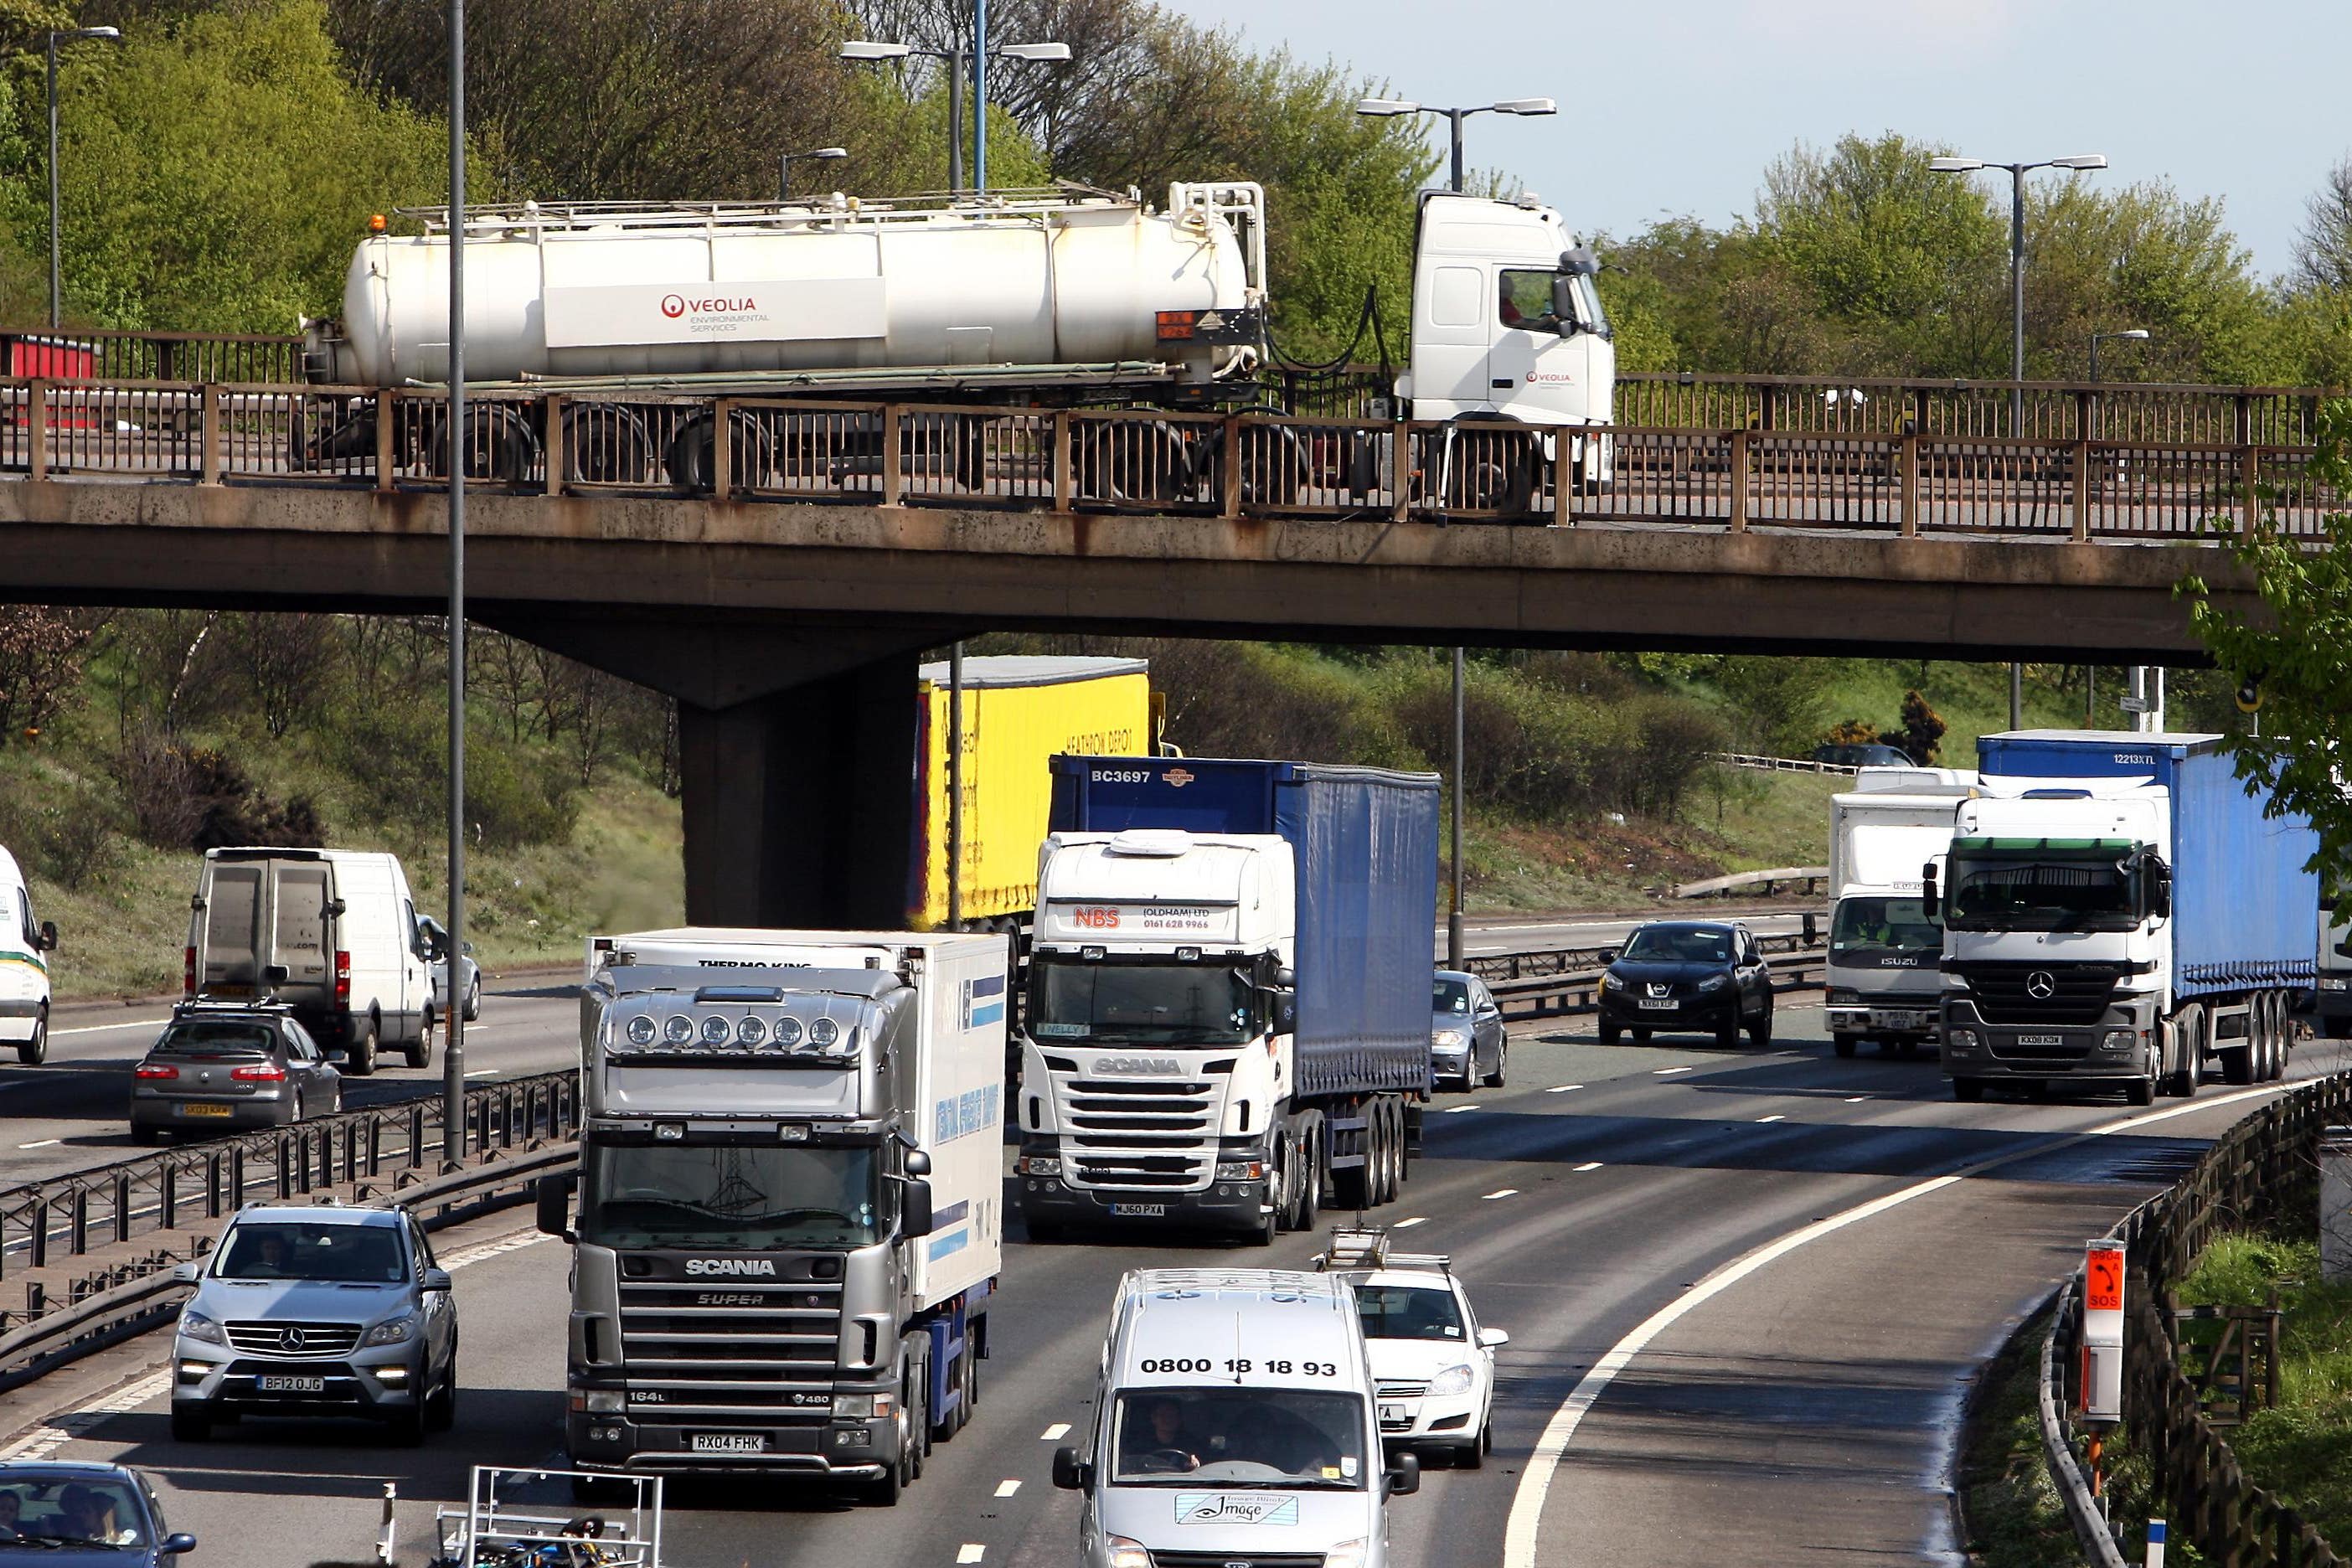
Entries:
{"x":1855,"y":1098}
{"x":1588,"y":1165}
{"x":1407,"y":1224}
{"x":1660,"y":1072}
{"x":970,"y":1551}
{"x":1059,"y":1429}
{"x":1458,"y":1109}
{"x":1500,"y":1192}
{"x":1006,"y":1488}
{"x":1563,"y":1089}
{"x":44,"y":1143}
{"x":1775,"y":1118}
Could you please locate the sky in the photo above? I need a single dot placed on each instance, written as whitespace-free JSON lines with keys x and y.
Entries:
{"x":1674,"y":107}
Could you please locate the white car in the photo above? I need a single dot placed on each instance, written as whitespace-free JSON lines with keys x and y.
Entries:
{"x":1433,"y":1365}
{"x":437,"y":942}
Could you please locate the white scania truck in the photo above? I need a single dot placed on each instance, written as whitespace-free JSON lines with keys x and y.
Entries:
{"x":1019,"y":300}
{"x":789,"y":1201}
{"x":1885,"y":944}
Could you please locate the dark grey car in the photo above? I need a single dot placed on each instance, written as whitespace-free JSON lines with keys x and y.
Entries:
{"x":1467,"y":1042}
{"x":1678,"y":977}
{"x":224,"y":1067}
{"x":53,"y":1511}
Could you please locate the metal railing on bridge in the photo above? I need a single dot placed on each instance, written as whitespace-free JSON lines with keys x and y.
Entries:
{"x":1730,"y":478}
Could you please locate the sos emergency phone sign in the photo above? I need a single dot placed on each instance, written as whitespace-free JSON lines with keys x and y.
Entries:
{"x":2102,"y":1330}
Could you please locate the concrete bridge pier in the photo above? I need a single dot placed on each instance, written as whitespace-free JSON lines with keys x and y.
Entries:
{"x":798,"y":760}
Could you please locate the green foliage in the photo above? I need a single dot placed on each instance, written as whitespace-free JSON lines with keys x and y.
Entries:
{"x":2300,"y":650}
{"x":216,"y":170}
{"x":1920,"y":731}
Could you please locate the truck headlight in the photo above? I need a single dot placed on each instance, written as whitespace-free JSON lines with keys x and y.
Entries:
{"x":1041,"y":1164}
{"x":1126,"y":1553}
{"x":865,"y":1407}
{"x":1452,"y":1380}
{"x":602,"y":1402}
{"x":1964,"y":1039}
{"x":197,"y":1326}
{"x":1347,"y":1554}
{"x":1846,"y":999}
{"x":2119,"y":1039}
{"x":1240,"y":1170}
{"x":393,"y":1332}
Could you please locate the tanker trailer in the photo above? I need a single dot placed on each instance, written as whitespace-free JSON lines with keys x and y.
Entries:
{"x":641,"y":314}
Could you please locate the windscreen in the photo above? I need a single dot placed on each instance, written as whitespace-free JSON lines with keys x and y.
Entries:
{"x":1450,"y":997}
{"x":1678,"y":944}
{"x":1885,"y":925}
{"x":340,"y":1254}
{"x":74,"y":1515}
{"x":1143,"y":1003}
{"x":2042,"y":888}
{"x":749,"y":1197}
{"x":1290,"y":1437}
{"x":216,"y":1040}
{"x":1408,"y":1312}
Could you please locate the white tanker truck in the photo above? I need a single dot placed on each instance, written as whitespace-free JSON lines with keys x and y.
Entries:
{"x":1031,"y":301}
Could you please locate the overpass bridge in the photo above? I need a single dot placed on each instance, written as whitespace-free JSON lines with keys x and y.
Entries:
{"x":776,"y":564}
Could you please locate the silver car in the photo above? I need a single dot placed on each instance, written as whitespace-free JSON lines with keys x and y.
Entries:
{"x":317,"y":1310}
{"x":1467,"y":1042}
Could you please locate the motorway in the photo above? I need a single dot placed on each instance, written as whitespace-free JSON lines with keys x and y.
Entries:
{"x":68,"y":1113}
{"x":1777,"y":1376}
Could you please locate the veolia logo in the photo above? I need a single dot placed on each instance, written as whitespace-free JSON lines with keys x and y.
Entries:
{"x":763,"y":1266}
{"x":674,"y":306}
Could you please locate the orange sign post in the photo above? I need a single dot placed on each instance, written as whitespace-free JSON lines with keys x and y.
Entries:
{"x":2102,"y":1399}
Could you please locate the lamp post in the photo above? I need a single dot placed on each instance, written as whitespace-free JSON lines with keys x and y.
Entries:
{"x":2080,"y":162}
{"x":957,"y":59}
{"x":67,"y":35}
{"x":453,"y":1059}
{"x":2129,"y":335}
{"x":784,"y":167}
{"x":1389,"y":108}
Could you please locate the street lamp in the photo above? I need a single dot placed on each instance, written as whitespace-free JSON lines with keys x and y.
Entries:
{"x":2129,"y":335}
{"x":107,"y":35}
{"x":1390,"y":109}
{"x":868,"y":49}
{"x":784,"y":167}
{"x":2079,"y":162}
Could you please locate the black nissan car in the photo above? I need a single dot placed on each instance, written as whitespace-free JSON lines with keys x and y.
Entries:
{"x":1687,"y":977}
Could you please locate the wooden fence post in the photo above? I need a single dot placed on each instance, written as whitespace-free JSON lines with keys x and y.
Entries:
{"x":2083,"y":491}
{"x":1737,"y":522}
{"x":1910,"y":461}
{"x":387,"y":419}
{"x":40,"y":413}
{"x":1230,"y":505}
{"x":2250,"y":479}
{"x":894,"y":475}
{"x":552,"y":416}
{"x":1400,"y":471}
{"x":208,"y":431}
{"x":1061,"y":460}
{"x":722,"y":449}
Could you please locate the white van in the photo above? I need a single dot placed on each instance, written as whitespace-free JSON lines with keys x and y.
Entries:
{"x":24,"y":972}
{"x":333,"y":932}
{"x":1234,"y":1422}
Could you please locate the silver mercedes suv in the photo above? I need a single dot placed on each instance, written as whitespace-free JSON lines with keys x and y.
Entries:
{"x":314,"y":1311}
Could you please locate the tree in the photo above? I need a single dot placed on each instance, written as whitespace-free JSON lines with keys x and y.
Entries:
{"x":219,"y":167}
{"x":2323,"y":250}
{"x":40,"y":664}
{"x":1921,"y":732}
{"x":2299,"y":653}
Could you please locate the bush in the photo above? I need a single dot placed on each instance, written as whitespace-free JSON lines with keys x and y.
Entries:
{"x":185,"y":796}
{"x":515,"y":795}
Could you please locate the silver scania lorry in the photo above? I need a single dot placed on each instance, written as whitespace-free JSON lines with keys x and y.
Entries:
{"x":788,"y":1204}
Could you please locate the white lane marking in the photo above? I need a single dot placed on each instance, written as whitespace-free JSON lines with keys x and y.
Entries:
{"x":1855,"y":1098}
{"x":64,"y":1427}
{"x":103,"y":1028}
{"x":1500,"y":1192}
{"x":481,"y":1072}
{"x":1535,"y":1480}
{"x":1563,"y":1089}
{"x":44,"y":1143}
{"x":1058,"y":1429}
{"x":1588,"y":1165}
{"x":1660,"y":1072}
{"x":1458,"y":1109}
{"x":1404,"y":1224}
{"x":1006,"y":1488}
{"x":970,"y":1551}
{"x":1771,"y":1118}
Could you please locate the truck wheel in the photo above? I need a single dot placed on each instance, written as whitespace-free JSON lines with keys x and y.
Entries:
{"x":1968,"y":1090}
{"x":359,"y":1057}
{"x":2141,"y":1090}
{"x":1845,"y":1045}
{"x":420,"y":1049}
{"x":32,"y":1053}
{"x":1351,"y":1185}
{"x":2192,"y":1032}
{"x":1310,"y":1182}
{"x":1391,"y":1167}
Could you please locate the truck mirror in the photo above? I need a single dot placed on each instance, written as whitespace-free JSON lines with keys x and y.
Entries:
{"x":915,"y":1210}
{"x":335,"y":907}
{"x":555,"y":1194}
{"x":49,"y":936}
{"x":1286,"y":978}
{"x":1071,"y":1473}
{"x":2159,"y":890}
{"x":274,"y":974}
{"x":918,"y":1162}
{"x":1931,"y":897}
{"x":1580,"y":262}
{"x":1285,"y":1014}
{"x":1403,"y":1477}
{"x":1563,"y":304}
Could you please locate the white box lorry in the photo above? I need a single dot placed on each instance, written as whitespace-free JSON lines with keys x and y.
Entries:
{"x":791,"y":1203}
{"x":25,"y":943}
{"x":1885,"y":944}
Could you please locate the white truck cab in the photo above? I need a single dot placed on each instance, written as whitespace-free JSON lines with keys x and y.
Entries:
{"x":1234,"y":1422}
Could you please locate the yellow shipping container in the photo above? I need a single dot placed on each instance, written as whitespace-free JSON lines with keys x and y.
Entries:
{"x":1018,"y":710}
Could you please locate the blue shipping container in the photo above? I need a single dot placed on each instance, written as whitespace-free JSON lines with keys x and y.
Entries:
{"x":2244,"y":905}
{"x":1364,"y":841}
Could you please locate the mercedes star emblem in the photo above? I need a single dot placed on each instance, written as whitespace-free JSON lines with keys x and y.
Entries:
{"x":292,"y":1339}
{"x":2041,"y":985}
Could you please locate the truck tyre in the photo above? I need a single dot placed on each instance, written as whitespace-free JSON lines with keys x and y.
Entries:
{"x":32,"y":1053}
{"x":1310,"y":1181}
{"x":359,"y":1055}
{"x":1610,"y":1032}
{"x":2191,"y":1033}
{"x":2241,"y":1062}
{"x":2142,"y":1090}
{"x":1392,"y":1149}
{"x":1968,"y":1090}
{"x":1845,"y":1045}
{"x":1351,"y":1184}
{"x":420,"y":1049}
